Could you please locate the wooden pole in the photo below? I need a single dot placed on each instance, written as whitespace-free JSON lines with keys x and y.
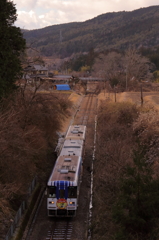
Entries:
{"x":115,"y":94}
{"x":142,"y":100}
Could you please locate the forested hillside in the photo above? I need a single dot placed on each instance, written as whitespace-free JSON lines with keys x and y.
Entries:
{"x":111,"y":30}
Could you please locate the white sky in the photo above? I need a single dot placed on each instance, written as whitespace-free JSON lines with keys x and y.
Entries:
{"x":35,"y":14}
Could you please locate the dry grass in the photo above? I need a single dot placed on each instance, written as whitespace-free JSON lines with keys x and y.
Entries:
{"x":115,"y":141}
{"x":149,"y":98}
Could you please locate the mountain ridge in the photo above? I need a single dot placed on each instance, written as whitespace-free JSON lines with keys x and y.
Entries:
{"x":117,"y":30}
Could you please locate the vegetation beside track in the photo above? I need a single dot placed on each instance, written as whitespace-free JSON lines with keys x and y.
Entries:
{"x":29,"y":122}
{"x":126,"y":179}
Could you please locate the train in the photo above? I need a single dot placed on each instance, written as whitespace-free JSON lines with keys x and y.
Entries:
{"x":64,"y":182}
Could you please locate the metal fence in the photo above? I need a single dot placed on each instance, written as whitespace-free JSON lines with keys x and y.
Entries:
{"x":21,"y":210}
{"x":32,"y":186}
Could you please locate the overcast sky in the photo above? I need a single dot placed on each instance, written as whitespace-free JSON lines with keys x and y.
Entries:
{"x":35,"y":14}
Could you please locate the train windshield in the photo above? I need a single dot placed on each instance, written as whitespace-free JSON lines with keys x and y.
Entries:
{"x":72,"y":192}
{"x":62,"y":193}
{"x":52,"y":191}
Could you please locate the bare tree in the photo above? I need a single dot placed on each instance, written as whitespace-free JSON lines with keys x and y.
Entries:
{"x":137,"y":67}
{"x":122,"y":70}
{"x":28,"y":125}
{"x":108,"y":66}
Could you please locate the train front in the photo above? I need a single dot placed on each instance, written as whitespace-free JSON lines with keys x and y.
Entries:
{"x":63,"y":187}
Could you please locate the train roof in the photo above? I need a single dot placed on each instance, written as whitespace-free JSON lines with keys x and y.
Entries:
{"x":72,"y":147}
{"x":76,"y":132}
{"x":66,"y":169}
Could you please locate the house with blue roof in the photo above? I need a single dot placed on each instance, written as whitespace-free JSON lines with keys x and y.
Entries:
{"x":62,"y":87}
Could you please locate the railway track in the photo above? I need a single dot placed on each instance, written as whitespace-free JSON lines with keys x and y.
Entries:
{"x":86,"y":109}
{"x":65,"y":229}
{"x":61,"y":230}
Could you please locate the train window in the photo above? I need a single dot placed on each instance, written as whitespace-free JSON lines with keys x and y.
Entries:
{"x":52,"y":191}
{"x":72,"y":192}
{"x":62,"y":193}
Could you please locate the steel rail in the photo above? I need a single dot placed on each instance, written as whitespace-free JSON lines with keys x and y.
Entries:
{"x":61,"y":230}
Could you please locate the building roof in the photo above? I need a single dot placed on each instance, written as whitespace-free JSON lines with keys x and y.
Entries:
{"x":40,"y":67}
{"x":36,"y":67}
{"x":62,"y":87}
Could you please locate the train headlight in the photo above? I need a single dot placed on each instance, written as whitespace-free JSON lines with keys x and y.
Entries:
{"x":52,"y":202}
{"x":72,"y":203}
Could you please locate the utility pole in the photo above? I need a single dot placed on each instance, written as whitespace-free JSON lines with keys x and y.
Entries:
{"x":104,"y":88}
{"x":142,"y":100}
{"x":115,"y":93}
{"x":126,"y":80}
{"x":61,"y":36}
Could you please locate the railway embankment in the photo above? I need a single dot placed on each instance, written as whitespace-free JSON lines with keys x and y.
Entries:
{"x":125,"y":154}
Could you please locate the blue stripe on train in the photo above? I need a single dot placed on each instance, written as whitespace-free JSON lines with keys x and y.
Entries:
{"x":62,"y":185}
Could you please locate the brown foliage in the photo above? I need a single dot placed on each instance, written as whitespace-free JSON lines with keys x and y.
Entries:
{"x":28,"y":125}
{"x":146,"y":128}
{"x":120,"y":127}
{"x":114,"y":149}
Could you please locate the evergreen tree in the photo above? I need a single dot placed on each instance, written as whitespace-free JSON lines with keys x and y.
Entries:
{"x":12,"y":44}
{"x":137,"y":206}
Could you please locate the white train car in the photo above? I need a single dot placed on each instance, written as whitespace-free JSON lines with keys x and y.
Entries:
{"x":63,"y":187}
{"x":64,"y":183}
{"x":72,"y":147}
{"x":77,"y":132}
